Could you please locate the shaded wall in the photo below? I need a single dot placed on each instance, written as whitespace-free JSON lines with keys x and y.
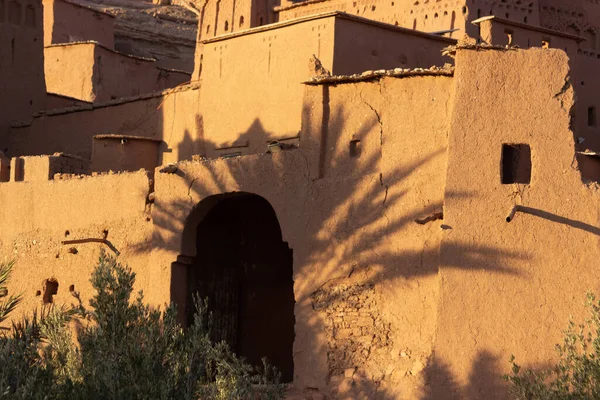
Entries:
{"x":256,"y":78}
{"x":171,"y":117}
{"x":66,"y":22}
{"x":360,"y":46}
{"x":93,"y":73}
{"x":348,"y":217}
{"x":22,"y":88}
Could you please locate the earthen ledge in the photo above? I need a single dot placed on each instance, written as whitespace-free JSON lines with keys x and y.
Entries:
{"x":446,"y":70}
{"x":451,"y":50}
{"x":127,"y":137}
{"x":110,"y":103}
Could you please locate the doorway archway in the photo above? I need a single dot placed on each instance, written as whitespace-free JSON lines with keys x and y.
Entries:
{"x":236,"y":259}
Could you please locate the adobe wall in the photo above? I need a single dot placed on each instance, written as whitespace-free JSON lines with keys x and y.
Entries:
{"x":347,"y":210}
{"x":93,"y":73}
{"x":65,"y":22}
{"x":38,"y":217}
{"x":22,"y":88}
{"x":360,"y":46}
{"x":523,"y":280}
{"x":251,"y":84}
{"x":69,"y":69}
{"x":171,"y":116}
{"x":420,"y":15}
{"x":237,"y":68}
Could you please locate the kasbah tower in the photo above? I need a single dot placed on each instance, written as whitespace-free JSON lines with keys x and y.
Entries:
{"x":403,"y":192}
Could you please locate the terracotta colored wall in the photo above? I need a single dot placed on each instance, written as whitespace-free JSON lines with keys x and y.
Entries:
{"x":235,"y":69}
{"x":22,"y":88}
{"x":124,"y":154}
{"x":360,"y":46}
{"x":36,"y":218}
{"x":515,"y":294}
{"x":65,"y":22}
{"x":422,"y":16}
{"x":69,"y":70}
{"x":171,"y":117}
{"x":496,"y":32}
{"x":93,"y":73}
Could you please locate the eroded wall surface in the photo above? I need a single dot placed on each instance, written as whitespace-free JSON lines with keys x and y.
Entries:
{"x":509,"y":288}
{"x":346,"y":200}
{"x":37,"y":217}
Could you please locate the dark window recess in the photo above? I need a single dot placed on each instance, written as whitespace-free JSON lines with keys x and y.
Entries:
{"x":516,"y":163}
{"x":355,"y":148}
{"x":591,"y":116}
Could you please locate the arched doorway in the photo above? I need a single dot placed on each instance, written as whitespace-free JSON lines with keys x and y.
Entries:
{"x":237,"y":260}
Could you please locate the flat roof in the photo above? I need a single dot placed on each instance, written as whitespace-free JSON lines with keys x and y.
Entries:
{"x":127,"y":137}
{"x":335,"y":14}
{"x":530,"y":27}
{"x":93,"y":42}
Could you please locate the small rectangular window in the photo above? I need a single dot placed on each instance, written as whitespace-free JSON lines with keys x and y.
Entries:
{"x":591,"y":116}
{"x":355,"y":148}
{"x":516,"y":163}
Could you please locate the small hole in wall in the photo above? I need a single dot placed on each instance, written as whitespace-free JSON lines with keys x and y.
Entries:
{"x":582,"y":83}
{"x":105,"y":233}
{"x":71,"y":288}
{"x":73,"y":250}
{"x":38,"y":293}
{"x":67,"y":233}
{"x":516,"y":163}
{"x":242,"y":20}
{"x":50,"y":288}
{"x":591,"y":116}
{"x":355,"y":148}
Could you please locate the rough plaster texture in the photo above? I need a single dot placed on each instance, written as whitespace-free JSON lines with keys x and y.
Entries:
{"x":513,"y":295}
{"x":236,"y":67}
{"x":166,"y":117}
{"x":66,"y":22}
{"x":91,"y":72}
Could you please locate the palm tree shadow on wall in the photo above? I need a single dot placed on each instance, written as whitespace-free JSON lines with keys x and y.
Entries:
{"x":349,"y":229}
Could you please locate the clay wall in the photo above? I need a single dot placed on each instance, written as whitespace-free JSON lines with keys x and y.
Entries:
{"x":366,"y":166}
{"x":360,"y":46}
{"x":91,"y":72}
{"x":124,"y":153}
{"x":235,"y":68}
{"x":22,"y":88}
{"x":423,"y":16}
{"x":109,"y":211}
{"x":171,"y":117}
{"x":516,"y":296}
{"x":583,"y":76}
{"x":43,"y":168}
{"x":65,"y":22}
{"x":501,"y":32}
{"x":69,"y":70}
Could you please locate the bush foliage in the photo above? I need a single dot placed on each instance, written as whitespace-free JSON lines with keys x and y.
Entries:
{"x":577,"y":373}
{"x":122,"y":349}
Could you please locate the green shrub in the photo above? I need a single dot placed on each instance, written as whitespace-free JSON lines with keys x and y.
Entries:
{"x":126,"y":350}
{"x":577,"y":373}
